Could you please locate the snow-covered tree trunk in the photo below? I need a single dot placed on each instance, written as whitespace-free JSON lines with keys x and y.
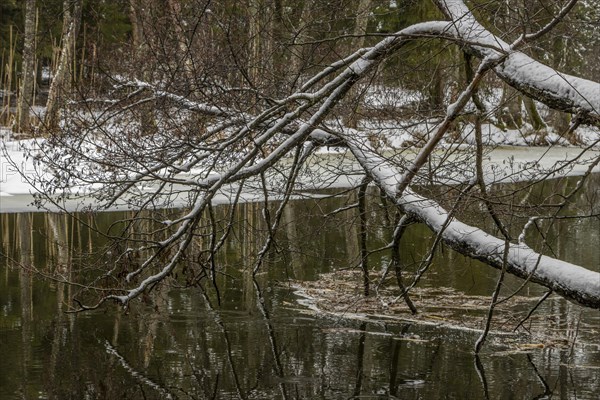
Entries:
{"x":238,"y":146}
{"x":571,"y":281}
{"x":557,"y":90}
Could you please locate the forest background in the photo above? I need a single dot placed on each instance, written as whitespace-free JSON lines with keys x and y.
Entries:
{"x":270,"y":48}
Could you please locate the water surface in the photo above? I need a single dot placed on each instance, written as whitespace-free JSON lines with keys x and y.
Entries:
{"x":260,"y":342}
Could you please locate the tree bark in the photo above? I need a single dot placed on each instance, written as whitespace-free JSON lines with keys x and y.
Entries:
{"x":182,"y":41}
{"x":63,"y":75}
{"x":534,"y":115}
{"x":297,"y":58}
{"x":509,"y":114}
{"x":254,"y":36}
{"x":277,"y":56}
{"x":135,"y":25}
{"x":361,"y":23}
{"x":26,"y":95}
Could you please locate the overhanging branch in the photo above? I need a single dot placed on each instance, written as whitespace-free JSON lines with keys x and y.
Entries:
{"x":571,"y":281}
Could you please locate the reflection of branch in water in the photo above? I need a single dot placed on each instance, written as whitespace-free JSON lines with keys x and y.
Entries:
{"x":271,"y":334}
{"x":481,"y":373}
{"x":488,"y":322}
{"x":360,"y":360}
{"x":137,"y":375}
{"x":394,"y":360}
{"x":394,"y":363}
{"x":547,"y":391}
{"x":566,"y":358}
{"x":26,"y":297}
{"x":58,"y":245}
{"x":225,"y":334}
{"x":540,"y":301}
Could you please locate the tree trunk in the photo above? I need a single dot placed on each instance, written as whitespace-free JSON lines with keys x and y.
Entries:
{"x":140,"y":16}
{"x":570,"y":281}
{"x":436,"y":89}
{"x":534,"y":116}
{"x":509,"y":114}
{"x":560,"y":91}
{"x":254,"y":37}
{"x":360,"y":29}
{"x":361,"y":23}
{"x":26,"y":95}
{"x":560,"y":120}
{"x":135,"y":25}
{"x":182,"y":41}
{"x":63,"y":75}
{"x":297,"y":58}
{"x":277,"y":56}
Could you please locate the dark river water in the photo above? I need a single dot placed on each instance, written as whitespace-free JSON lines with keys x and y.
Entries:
{"x":261,"y":342}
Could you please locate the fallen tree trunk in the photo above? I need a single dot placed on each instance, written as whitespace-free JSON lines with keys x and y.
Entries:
{"x":557,"y":90}
{"x":571,"y":281}
{"x":298,"y":116}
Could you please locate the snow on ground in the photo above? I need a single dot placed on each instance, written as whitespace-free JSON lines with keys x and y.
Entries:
{"x":507,"y":161}
{"x":379,"y":96}
{"x":494,"y":136}
{"x":15,"y":168}
{"x":407,"y":133}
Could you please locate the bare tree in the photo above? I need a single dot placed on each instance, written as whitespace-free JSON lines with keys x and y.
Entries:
{"x":358,"y":41}
{"x":265,"y":145}
{"x":61,"y":82}
{"x":27,"y":78}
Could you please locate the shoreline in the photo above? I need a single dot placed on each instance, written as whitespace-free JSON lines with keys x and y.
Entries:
{"x":503,"y":159}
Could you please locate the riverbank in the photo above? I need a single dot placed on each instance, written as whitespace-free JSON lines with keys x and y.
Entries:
{"x":335,"y":167}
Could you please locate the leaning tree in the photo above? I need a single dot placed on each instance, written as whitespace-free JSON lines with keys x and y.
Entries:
{"x":210,"y":122}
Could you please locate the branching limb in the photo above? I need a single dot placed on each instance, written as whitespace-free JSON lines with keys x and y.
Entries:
{"x":488,"y":323}
{"x":453,"y":112}
{"x":299,"y":158}
{"x":528,"y":37}
{"x":530,"y":313}
{"x":569,"y":280}
{"x":557,"y":90}
{"x":362,"y":234}
{"x":396,"y":261}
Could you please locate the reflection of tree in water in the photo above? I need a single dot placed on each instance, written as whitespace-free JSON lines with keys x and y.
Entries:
{"x":251,"y":344}
{"x":26,"y":282}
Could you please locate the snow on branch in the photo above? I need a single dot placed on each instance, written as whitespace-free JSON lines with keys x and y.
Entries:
{"x":571,"y":281}
{"x":254,"y":143}
{"x":180,"y":100}
{"x":557,"y":90}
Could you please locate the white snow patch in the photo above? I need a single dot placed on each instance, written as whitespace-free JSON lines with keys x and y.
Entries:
{"x":377,"y":96}
{"x":16,"y":168}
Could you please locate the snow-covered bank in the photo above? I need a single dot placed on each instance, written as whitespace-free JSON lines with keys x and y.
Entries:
{"x":15,"y":168}
{"x":502,"y":163}
{"x":408,"y":133}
